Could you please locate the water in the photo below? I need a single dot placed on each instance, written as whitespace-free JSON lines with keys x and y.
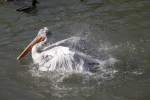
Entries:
{"x":117,"y":29}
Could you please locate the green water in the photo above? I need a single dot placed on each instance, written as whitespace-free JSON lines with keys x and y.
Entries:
{"x":120,"y":28}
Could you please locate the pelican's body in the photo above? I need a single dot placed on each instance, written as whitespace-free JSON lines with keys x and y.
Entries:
{"x":59,"y":56}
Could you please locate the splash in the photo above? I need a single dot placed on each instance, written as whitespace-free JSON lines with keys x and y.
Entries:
{"x":86,"y":73}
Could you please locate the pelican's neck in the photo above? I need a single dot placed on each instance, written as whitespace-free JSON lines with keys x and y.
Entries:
{"x":37,"y":49}
{"x":35,"y":54}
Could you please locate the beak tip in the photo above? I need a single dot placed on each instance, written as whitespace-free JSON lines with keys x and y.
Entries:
{"x":18,"y":58}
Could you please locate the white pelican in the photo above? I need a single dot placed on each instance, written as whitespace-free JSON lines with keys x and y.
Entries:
{"x":63,"y":55}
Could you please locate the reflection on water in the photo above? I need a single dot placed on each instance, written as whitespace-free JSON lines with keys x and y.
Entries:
{"x":118,"y":29}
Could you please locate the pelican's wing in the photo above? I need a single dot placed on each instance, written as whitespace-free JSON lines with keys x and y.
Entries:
{"x":88,"y":58}
{"x":72,"y":42}
{"x":90,"y":63}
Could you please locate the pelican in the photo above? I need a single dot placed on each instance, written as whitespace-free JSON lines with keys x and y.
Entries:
{"x":63,"y":55}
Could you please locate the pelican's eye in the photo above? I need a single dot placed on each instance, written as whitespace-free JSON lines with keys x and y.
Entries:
{"x":49,"y":33}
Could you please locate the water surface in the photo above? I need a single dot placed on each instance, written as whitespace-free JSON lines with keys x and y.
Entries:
{"x":118,"y":29}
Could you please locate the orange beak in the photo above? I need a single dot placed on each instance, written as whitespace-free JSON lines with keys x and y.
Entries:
{"x":28,"y":49}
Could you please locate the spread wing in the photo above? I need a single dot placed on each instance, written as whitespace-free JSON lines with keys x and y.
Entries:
{"x":74,"y":43}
